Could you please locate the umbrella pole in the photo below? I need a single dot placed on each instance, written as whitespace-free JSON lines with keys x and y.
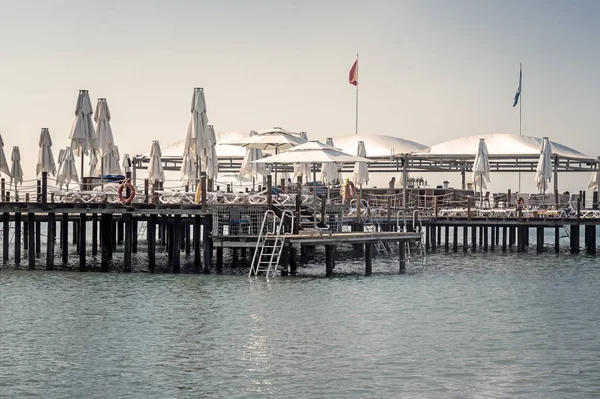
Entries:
{"x":102,"y":173}
{"x":81,"y":182}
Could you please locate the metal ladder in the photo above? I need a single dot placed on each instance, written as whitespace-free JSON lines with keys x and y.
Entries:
{"x":418,"y":247}
{"x":143,"y":226}
{"x":373,"y":226}
{"x":269,"y":245}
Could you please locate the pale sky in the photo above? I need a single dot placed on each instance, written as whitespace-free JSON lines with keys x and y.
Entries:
{"x":429,"y":70}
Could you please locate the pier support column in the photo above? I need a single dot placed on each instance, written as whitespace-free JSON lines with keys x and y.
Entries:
{"x":402,"y":257}
{"x":176,"y":244}
{"x":207,"y":240}
{"x":575,"y":228}
{"x":590,"y":242}
{"x":151,"y":237}
{"x":120,"y":231}
{"x":134,"y":236}
{"x":446,"y":238}
{"x":368,"y":259}
{"x":128,"y":247}
{"x":219,"y":260}
{"x":432,"y":231}
{"x":64,"y":237}
{"x":485,"y":238}
{"x":81,"y":241}
{"x":329,"y":258}
{"x":293,"y":261}
{"x":25,"y":235}
{"x":512,"y":235}
{"x":557,"y":239}
{"x":473,"y":238}
{"x":106,"y":224}
{"x":17,"y":239}
{"x":5,"y":236}
{"x":50,"y":240}
{"x":38,"y":238}
{"x":540,"y":239}
{"x":465,"y":242}
{"x":439,"y":235}
{"x":493,"y":242}
{"x":504,"y":238}
{"x":94,"y":234}
{"x":455,"y":238}
{"x":196,"y":241}
{"x":31,"y":239}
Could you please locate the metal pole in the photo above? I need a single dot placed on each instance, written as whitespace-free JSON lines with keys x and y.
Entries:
{"x":356,"y":95}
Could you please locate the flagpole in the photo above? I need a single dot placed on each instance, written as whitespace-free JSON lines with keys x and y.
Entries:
{"x":520,"y":111}
{"x":356,"y":127}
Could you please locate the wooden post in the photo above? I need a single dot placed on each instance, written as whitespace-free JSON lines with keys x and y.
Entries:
{"x":187,"y":237}
{"x":435,"y":207}
{"x":44,"y":190}
{"x":155,"y":187}
{"x":31,"y":239}
{"x":329,"y":262}
{"x":17,"y":239}
{"x":595,"y":200}
{"x":578,"y":209}
{"x":38,"y":196}
{"x":455,"y":238}
{"x":151,"y":238}
{"x":25,"y":235}
{"x":176,"y":245}
{"x":323,"y":209}
{"x":64,"y":237}
{"x":590,"y":242}
{"x":269,"y":191}
{"x":368,"y":259}
{"x":557,"y":239}
{"x":146,"y":190}
{"x":427,"y":238}
{"x":203,"y":188}
{"x":432,"y":231}
{"x":521,"y":238}
{"x":5,"y":236}
{"x":3,"y":190}
{"x":38,"y":238}
{"x":293,"y":261}
{"x":504,"y":238}
{"x":94,"y":234}
{"x":493,"y":238}
{"x":127,"y":221}
{"x":197,"y":254}
{"x":134,"y":236}
{"x":402,"y":256}
{"x":219,"y":260}
{"x":446,"y":238}
{"x":106,"y":224}
{"x":50,"y":240}
{"x":473,"y":238}
{"x":120,"y":231}
{"x":465,"y":242}
{"x":234,"y":257}
{"x":540,"y":239}
{"x":512,"y":232}
{"x":485,"y":238}
{"x":207,"y":241}
{"x":82,"y":241}
{"x":575,"y":228}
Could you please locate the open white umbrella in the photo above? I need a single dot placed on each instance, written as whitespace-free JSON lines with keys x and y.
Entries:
{"x":67,"y":172}
{"x":155,"y":168}
{"x":3,"y":161}
{"x":481,"y":168}
{"x":16,"y":171}
{"x":210,"y":162}
{"x":83,"y":136}
{"x":360,"y":174}
{"x":276,"y":141}
{"x":249,"y":168}
{"x":188,"y":177}
{"x":195,"y":139}
{"x":543,"y":171}
{"x":45,"y":161}
{"x":330,"y":171}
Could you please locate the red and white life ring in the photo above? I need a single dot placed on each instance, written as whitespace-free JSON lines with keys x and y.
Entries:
{"x":129,"y":186}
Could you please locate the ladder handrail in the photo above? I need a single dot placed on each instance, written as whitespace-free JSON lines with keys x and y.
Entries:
{"x":277,"y":234}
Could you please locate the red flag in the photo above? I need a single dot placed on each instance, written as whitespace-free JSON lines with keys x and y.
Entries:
{"x":353,"y":79}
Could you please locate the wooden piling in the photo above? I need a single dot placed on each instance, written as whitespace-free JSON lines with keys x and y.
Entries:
{"x":465,"y":241}
{"x":196,"y":241}
{"x":329,"y":259}
{"x":31,"y":239}
{"x":439,"y":235}
{"x":25,"y":235}
{"x":293,"y":261}
{"x":402,"y":257}
{"x":590,"y":239}
{"x":106,"y":228}
{"x":234,"y":256}
{"x":540,"y":239}
{"x":134,"y":235}
{"x":219,"y":260}
{"x":50,"y":240}
{"x":368,"y":259}
{"x":485,"y":238}
{"x":5,"y":235}
{"x":557,"y":239}
{"x":82,"y":241}
{"x":493,"y":238}
{"x":574,"y":241}
{"x":521,"y":238}
{"x":151,"y":238}
{"x":94,"y":233}
{"x":512,"y":235}
{"x":176,"y":246}
{"x":17,"y":239}
{"x":473,"y":238}
{"x":120,"y":231}
{"x":207,"y":241}
{"x":455,"y":239}
{"x":64,"y":237}
{"x":38,"y":238}
{"x":446,"y":238}
{"x":127,"y":248}
{"x":432,"y":230}
{"x":504,"y":238}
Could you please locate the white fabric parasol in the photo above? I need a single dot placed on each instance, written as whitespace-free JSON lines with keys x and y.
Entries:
{"x":594,"y":179}
{"x":249,"y":168}
{"x":543,"y":171}
{"x":155,"y":168}
{"x":210,"y":162}
{"x":94,"y":167}
{"x":481,"y":168}
{"x":360,"y":174}
{"x":126,"y":163}
{"x":16,"y":171}
{"x":187,"y":171}
{"x":110,"y":163}
{"x":83,"y":137}
{"x":45,"y":161}
{"x":330,"y":171}
{"x":197,"y":133}
{"x":106,"y":141}
{"x":3,"y":161}
{"x":67,"y":172}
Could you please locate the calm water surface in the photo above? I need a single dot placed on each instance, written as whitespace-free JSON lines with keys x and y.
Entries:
{"x":466,"y":326}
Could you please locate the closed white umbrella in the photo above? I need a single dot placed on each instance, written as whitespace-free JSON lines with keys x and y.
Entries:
{"x":3,"y":161}
{"x":61,"y":158}
{"x":543,"y":171}
{"x":330,"y":171}
{"x":249,"y":168}
{"x":155,"y":168}
{"x":197,"y":128}
{"x":45,"y":161}
{"x":110,"y":163}
{"x":126,"y":163}
{"x":16,"y":171}
{"x":210,"y":162}
{"x":481,"y":168}
{"x":94,"y":166}
{"x":104,"y":133}
{"x":67,"y":172}
{"x":188,"y":177}
{"x":83,"y":136}
{"x":360,"y":174}
{"x":594,"y":179}
{"x":302,"y":169}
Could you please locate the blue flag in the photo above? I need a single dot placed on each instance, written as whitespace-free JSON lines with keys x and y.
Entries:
{"x":518,"y":88}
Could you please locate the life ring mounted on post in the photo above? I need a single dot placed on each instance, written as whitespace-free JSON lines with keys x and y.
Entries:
{"x":128,"y":186}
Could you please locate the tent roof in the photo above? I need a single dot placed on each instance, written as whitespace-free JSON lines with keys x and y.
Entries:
{"x":377,"y":145}
{"x":501,"y":145}
{"x":175,"y":149}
